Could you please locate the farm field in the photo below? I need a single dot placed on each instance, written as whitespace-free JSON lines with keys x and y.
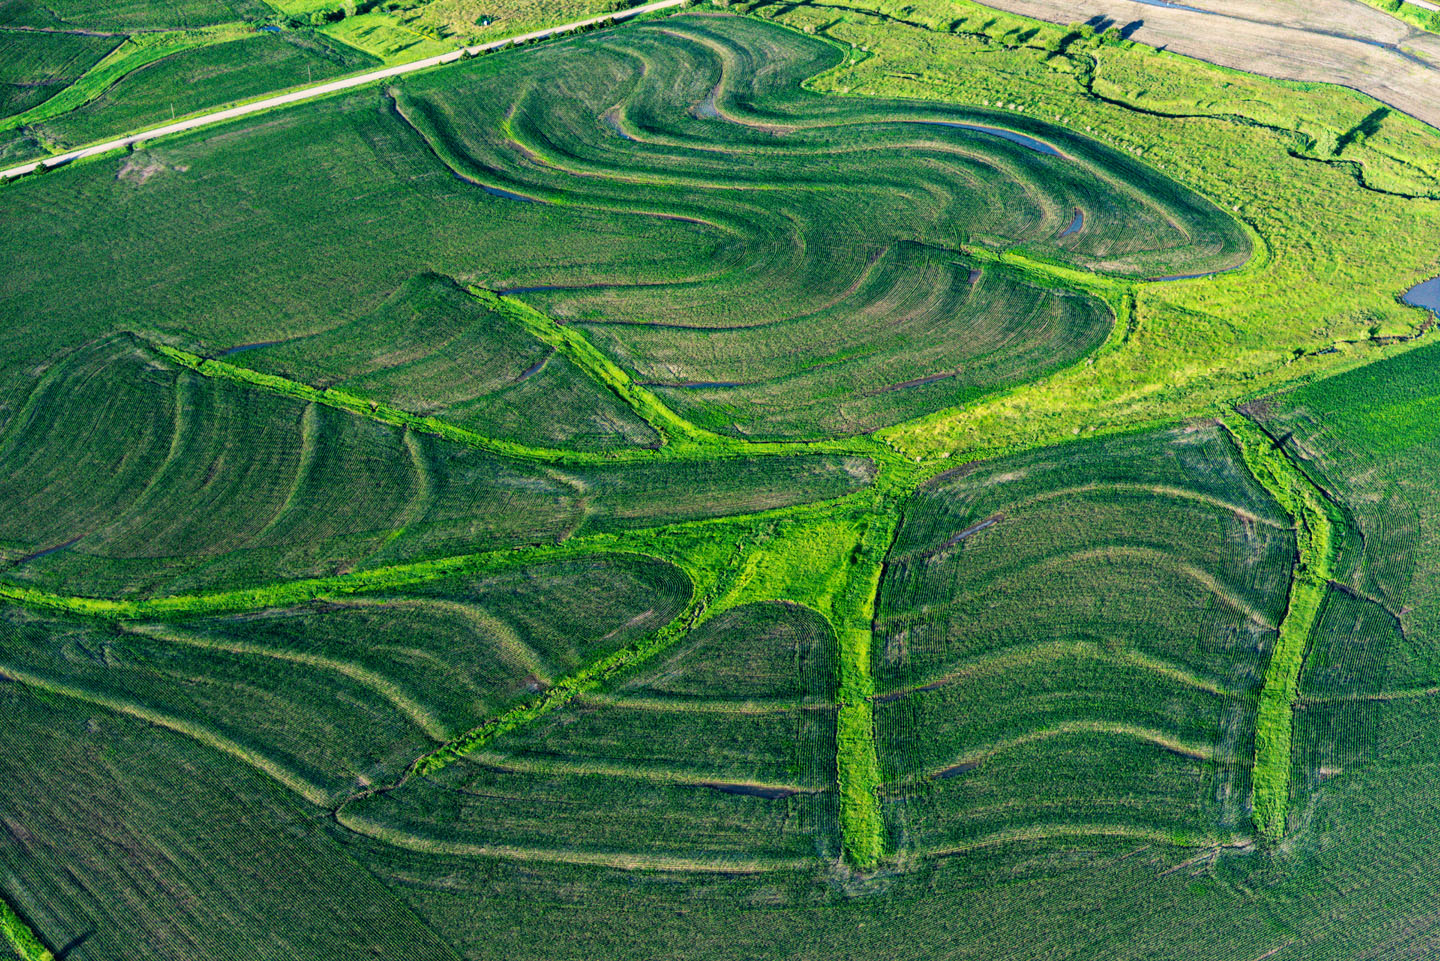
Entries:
{"x":1071,"y":641}
{"x":767,"y":481}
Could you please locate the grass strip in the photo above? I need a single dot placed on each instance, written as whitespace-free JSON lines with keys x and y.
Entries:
{"x":26,"y":945}
{"x":573,"y":345}
{"x":136,"y":52}
{"x":286,"y":593}
{"x":1316,"y":547}
{"x":1425,"y":15}
{"x":386,"y":413}
{"x":682,"y":439}
{"x":862,"y":827}
{"x":710,"y":590}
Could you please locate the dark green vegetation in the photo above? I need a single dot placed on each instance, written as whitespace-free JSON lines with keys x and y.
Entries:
{"x":35,"y":66}
{"x":1369,"y":440}
{"x":433,"y":349}
{"x":198,"y":78}
{"x":717,"y":756}
{"x":1072,"y":641}
{"x":450,"y":519}
{"x":160,"y":480}
{"x":779,"y":298}
{"x":79,"y":73}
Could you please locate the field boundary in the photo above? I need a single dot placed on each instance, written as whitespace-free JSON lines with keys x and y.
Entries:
{"x":127,"y":57}
{"x":608,"y":859}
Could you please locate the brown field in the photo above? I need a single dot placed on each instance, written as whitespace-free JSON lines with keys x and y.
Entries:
{"x":1334,"y":41}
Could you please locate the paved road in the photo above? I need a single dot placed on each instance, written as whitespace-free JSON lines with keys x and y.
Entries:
{"x":1336,"y":41}
{"x":321,"y":90}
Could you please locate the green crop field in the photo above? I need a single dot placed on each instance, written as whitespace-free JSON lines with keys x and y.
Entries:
{"x":36,"y":66}
{"x":1072,"y":640}
{"x":807,"y":480}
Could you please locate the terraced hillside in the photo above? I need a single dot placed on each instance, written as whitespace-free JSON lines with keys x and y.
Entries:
{"x":776,"y":483}
{"x":757,"y":291}
{"x":1071,"y":642}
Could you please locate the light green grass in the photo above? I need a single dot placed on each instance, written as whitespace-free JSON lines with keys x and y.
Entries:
{"x":1316,"y":547}
{"x":135,"y":52}
{"x":385,"y":36}
{"x":22,"y":940}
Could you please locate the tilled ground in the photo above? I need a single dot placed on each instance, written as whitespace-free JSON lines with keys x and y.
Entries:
{"x":1335,"y":41}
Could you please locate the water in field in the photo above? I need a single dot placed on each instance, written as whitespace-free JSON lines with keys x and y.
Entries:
{"x":241,"y":348}
{"x":1208,"y":273}
{"x":1425,"y":295}
{"x":1173,"y":6}
{"x":1076,"y":224}
{"x":1039,"y":146}
{"x":751,"y":790}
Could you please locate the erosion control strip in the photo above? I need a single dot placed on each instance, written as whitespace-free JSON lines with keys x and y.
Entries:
{"x":1315,"y":546}
{"x":24,"y":942}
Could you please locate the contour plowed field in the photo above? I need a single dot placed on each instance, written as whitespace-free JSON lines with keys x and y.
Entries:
{"x":1069,"y":642}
